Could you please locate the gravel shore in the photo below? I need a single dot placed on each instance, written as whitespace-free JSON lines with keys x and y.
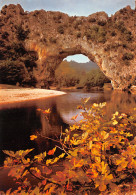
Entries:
{"x":25,"y":94}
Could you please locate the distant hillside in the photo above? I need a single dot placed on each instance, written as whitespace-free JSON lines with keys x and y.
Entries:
{"x":83,"y":66}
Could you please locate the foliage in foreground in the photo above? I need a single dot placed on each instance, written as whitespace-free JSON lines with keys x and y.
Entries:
{"x":98,"y":155}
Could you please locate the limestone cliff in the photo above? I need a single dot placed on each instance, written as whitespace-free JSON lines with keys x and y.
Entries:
{"x":33,"y":44}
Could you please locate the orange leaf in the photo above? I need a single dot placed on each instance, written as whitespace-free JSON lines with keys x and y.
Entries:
{"x":51,"y":152}
{"x":74,"y":117}
{"x":32,"y":137}
{"x":38,"y":109}
{"x":44,"y":182}
{"x":8,"y":191}
{"x":59,"y":177}
{"x":102,"y":187}
{"x":69,"y":187}
{"x":46,"y":170}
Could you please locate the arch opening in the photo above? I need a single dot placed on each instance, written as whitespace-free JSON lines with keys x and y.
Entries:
{"x":79,"y":72}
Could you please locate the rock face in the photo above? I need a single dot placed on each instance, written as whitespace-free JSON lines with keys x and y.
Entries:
{"x":34,"y":44}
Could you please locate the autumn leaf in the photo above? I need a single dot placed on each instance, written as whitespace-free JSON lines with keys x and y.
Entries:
{"x":80,"y":107}
{"x":9,"y":153}
{"x":122,"y":166}
{"x":33,"y":137}
{"x":47,"y":111}
{"x":8,"y":162}
{"x":102,"y":187}
{"x":92,"y":173}
{"x":85,"y":100}
{"x":46,"y":170}
{"x":44,"y":182}
{"x":8,"y":191}
{"x":38,"y":109}
{"x":115,"y":122}
{"x":74,"y":117}
{"x":40,"y":157}
{"x":48,"y":161}
{"x":36,"y":171}
{"x":22,"y":153}
{"x":95,"y":105}
{"x":69,"y":187}
{"x":76,"y":162}
{"x":51,"y":152}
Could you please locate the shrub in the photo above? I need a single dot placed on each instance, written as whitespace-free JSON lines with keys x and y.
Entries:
{"x":120,"y":26}
{"x":89,"y":35}
{"x":11,"y":72}
{"x":99,"y":155}
{"x":128,"y":56}
{"x":77,"y":23}
{"x":92,"y":79}
{"x":78,"y":34}
{"x":113,"y":33}
{"x":60,"y":29}
{"x":102,"y":23}
{"x":5,"y":35}
{"x":92,"y":20}
{"x":53,"y":40}
{"x":96,"y":33}
{"x":21,"y":33}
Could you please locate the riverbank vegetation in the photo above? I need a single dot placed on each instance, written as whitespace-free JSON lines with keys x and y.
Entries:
{"x":96,"y":155}
{"x":69,"y":75}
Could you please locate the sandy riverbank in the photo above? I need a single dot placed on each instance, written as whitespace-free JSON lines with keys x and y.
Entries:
{"x":24,"y":94}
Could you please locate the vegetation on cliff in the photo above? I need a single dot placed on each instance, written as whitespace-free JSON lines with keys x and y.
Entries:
{"x":97,"y":156}
{"x":37,"y":51}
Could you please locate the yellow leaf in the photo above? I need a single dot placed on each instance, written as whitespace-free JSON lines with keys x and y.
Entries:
{"x":47,"y":111}
{"x":32,"y":137}
{"x":85,"y":100}
{"x":40,"y":157}
{"x":79,"y":163}
{"x":95,"y":105}
{"x":119,"y":161}
{"x":104,"y":134}
{"x":62,"y":155}
{"x":101,"y":105}
{"x":9,"y":153}
{"x":90,"y":145}
{"x":116,"y":113}
{"x":85,"y":135}
{"x":48,"y":161}
{"x":115,"y":122}
{"x":109,"y":177}
{"x":122,"y":166}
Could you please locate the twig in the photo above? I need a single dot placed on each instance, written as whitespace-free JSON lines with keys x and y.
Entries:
{"x":62,"y":149}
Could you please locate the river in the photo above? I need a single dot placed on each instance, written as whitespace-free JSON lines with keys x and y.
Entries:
{"x":20,"y":120}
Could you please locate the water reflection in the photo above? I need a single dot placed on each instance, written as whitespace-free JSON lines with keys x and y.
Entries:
{"x":19,"y":121}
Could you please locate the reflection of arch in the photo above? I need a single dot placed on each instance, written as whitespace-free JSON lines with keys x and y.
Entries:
{"x":107,"y":41}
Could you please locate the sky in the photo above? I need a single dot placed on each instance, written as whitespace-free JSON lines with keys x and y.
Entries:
{"x":72,"y":8}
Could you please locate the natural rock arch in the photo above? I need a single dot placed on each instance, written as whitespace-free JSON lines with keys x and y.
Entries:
{"x":51,"y":36}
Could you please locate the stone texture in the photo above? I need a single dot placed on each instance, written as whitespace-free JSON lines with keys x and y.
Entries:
{"x":48,"y":37}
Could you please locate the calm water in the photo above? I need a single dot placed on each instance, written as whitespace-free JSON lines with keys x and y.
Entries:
{"x":19,"y":121}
